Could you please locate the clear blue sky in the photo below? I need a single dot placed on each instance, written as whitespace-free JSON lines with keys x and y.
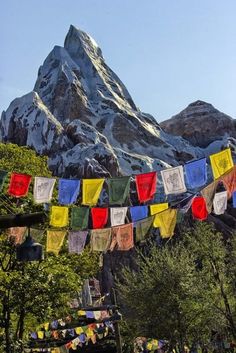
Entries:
{"x":168,"y":53}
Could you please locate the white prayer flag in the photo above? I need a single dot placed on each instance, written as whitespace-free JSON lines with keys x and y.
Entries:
{"x":173,"y":180}
{"x":220,"y":202}
{"x":43,"y":189}
{"x":118,"y":215}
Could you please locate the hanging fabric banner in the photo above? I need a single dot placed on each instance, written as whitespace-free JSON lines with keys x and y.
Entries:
{"x":37,"y":234}
{"x":234,"y":199}
{"x":138,"y":212}
{"x":55,"y":240}
{"x":220,"y":202}
{"x":196,"y":173}
{"x":167,"y":221}
{"x":77,"y":241}
{"x":143,"y":227}
{"x":100,"y":239}
{"x":221,"y":162}
{"x":59,"y":216}
{"x":173,"y":180}
{"x":155,"y":209}
{"x":229,"y":181}
{"x":146,"y":186}
{"x":68,"y":191}
{"x":19,"y":184}
{"x":16,"y":234}
{"x":208,"y":193}
{"x":117,"y":215}
{"x":118,"y":190}
{"x":91,"y":191}
{"x":199,"y":208}
{"x":3,"y":176}
{"x":99,"y":217}
{"x":79,"y":218}
{"x":43,"y":189}
{"x":122,"y":237}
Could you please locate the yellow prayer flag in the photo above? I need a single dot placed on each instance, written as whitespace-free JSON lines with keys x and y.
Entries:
{"x":40,"y":335}
{"x":155,"y":209}
{"x":46,"y":326}
{"x":167,"y":221}
{"x":81,"y":313}
{"x":91,"y":191}
{"x":55,"y":240}
{"x":221,"y":162}
{"x":59,"y":216}
{"x":78,"y":330}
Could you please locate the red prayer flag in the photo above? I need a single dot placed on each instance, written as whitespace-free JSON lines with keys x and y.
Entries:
{"x":99,"y":217}
{"x":146,"y":186}
{"x":199,"y":209}
{"x":19,"y":184}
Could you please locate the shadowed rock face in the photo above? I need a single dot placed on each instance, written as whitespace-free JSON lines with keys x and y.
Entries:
{"x":201,"y":124}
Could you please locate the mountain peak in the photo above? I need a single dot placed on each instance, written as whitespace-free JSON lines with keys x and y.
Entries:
{"x":198,"y":103}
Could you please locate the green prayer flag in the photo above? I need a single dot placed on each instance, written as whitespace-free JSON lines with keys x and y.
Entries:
{"x":118,"y":190}
{"x":79,"y":218}
{"x":143,"y":227}
{"x":3,"y":175}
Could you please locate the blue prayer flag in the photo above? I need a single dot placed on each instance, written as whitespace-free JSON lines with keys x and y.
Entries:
{"x":196,"y":173}
{"x":234,"y":199}
{"x":138,"y":212}
{"x":68,"y":191}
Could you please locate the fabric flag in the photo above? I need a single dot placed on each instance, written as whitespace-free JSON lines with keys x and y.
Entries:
{"x":221,"y":162}
{"x":43,"y":189}
{"x":55,"y":240}
{"x":3,"y":176}
{"x":117,"y":215}
{"x":16,"y":234}
{"x":68,"y":191}
{"x":77,"y":241}
{"x":155,"y":209}
{"x":234,"y":199}
{"x":199,"y":208}
{"x":220,"y":202}
{"x":146,"y":186}
{"x":167,"y":221}
{"x":99,"y":217}
{"x":143,"y":227}
{"x":173,"y":180}
{"x":59,"y":216}
{"x":37,"y":234}
{"x":196,"y":173}
{"x":138,"y":212}
{"x":122,"y":237}
{"x":208,"y":193}
{"x":79,"y":218}
{"x":229,"y":181}
{"x":118,"y":190}
{"x":91,"y":191}
{"x":100,"y":239}
{"x":19,"y":184}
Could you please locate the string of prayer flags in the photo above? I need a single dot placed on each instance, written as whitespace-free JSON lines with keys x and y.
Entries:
{"x":117,"y":215}
{"x":91,"y":191}
{"x":99,"y":217}
{"x":3,"y":176}
{"x":196,"y":173}
{"x":118,"y":190}
{"x":122,"y":237}
{"x":146,"y":186}
{"x":173,"y":180}
{"x":16,"y":234}
{"x":234,"y":199}
{"x":220,"y":202}
{"x":68,"y":191}
{"x":100,"y":239}
{"x":229,"y":181}
{"x":199,"y":208}
{"x":143,"y":227}
{"x":167,"y":221}
{"x":77,"y":241}
{"x":138,"y":212}
{"x":208,"y":193}
{"x":59,"y":216}
{"x":19,"y":184}
{"x":221,"y":162}
{"x":79,"y":218}
{"x":43,"y":189}
{"x":55,"y":240}
{"x":155,"y":209}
